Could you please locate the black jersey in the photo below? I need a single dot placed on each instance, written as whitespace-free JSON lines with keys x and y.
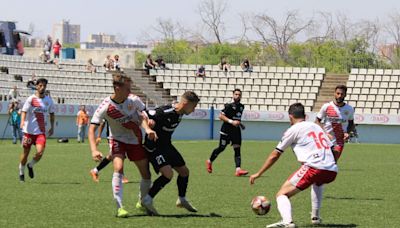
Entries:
{"x":166,"y":120}
{"x":233,"y":111}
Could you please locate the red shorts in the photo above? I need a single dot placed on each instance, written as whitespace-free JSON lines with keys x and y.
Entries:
{"x":338,"y":148}
{"x":134,"y":152}
{"x":29,"y":139}
{"x":306,"y":176}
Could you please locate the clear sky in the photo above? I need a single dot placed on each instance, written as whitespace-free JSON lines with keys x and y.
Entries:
{"x":130,"y":18}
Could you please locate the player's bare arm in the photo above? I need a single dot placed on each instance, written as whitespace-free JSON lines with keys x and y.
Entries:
{"x":51,"y":130}
{"x":23,"y":117}
{"x":96,"y":155}
{"x":227,"y":120}
{"x":152,"y":135}
{"x":99,"y":132}
{"x":272,"y":158}
{"x":350,"y":128}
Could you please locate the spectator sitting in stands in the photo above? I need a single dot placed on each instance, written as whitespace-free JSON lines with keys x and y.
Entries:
{"x":14,"y":94}
{"x":149,"y":64}
{"x":90,"y":66}
{"x":201,"y":72}
{"x":32,"y":83}
{"x":161,"y":64}
{"x":224,"y":65}
{"x":246,"y":66}
{"x":108,"y":63}
{"x":116,"y":63}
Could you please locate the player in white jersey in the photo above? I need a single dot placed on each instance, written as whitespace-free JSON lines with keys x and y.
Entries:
{"x":313,"y":150}
{"x":124,"y":113}
{"x":33,"y":124}
{"x":337,"y":119}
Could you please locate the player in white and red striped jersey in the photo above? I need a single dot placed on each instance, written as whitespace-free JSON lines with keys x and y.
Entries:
{"x":124,"y":113}
{"x":33,"y":124}
{"x":312,"y":148}
{"x":337,"y":119}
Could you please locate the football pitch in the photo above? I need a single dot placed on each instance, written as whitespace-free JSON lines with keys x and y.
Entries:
{"x":62,"y":194}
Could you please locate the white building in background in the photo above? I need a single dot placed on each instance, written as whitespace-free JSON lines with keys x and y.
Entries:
{"x":101,"y":38}
{"x":66,"y":32}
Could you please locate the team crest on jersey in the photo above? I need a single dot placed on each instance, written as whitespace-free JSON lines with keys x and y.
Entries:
{"x":130,"y":107}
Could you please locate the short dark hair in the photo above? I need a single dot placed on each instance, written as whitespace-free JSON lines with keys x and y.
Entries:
{"x":237,"y":90}
{"x":297,"y":110}
{"x":41,"y":80}
{"x":191,"y":96}
{"x":342,"y":87}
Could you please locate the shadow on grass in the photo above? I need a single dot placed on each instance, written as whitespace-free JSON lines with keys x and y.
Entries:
{"x":333,"y":225}
{"x":211,"y":215}
{"x":352,"y":198}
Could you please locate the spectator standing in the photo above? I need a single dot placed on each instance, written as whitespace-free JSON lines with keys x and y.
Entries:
{"x":56,"y":49}
{"x":82,"y":120}
{"x":48,"y":44}
{"x":246,"y":66}
{"x":14,"y":111}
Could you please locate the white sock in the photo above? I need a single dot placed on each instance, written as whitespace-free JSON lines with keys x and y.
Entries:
{"x":316,"y":199}
{"x":117,"y":188}
{"x":285,"y":208}
{"x":95,"y":170}
{"x":21,"y":169}
{"x":32,"y":163}
{"x":144,"y":187}
{"x":237,"y":169}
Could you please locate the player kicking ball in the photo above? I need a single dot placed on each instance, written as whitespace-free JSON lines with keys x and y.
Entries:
{"x":163,"y":155}
{"x":312,"y":148}
{"x":124,"y":113}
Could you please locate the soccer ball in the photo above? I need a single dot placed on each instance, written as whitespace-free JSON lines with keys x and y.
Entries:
{"x":260,"y":205}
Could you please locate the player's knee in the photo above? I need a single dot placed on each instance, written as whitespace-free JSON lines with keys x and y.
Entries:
{"x":167,"y":172}
{"x":184,"y":172}
{"x":235,"y":146}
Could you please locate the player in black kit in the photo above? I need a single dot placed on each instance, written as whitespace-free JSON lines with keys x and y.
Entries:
{"x":163,"y":155}
{"x":230,"y":132}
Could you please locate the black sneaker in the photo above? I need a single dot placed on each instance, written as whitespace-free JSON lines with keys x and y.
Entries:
{"x":30,"y":169}
{"x":22,"y":178}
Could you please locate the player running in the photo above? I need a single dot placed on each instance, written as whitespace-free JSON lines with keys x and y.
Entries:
{"x":33,"y":124}
{"x":230,"y":132}
{"x":163,"y":155}
{"x":313,"y":150}
{"x":124,"y":113}
{"x":337,"y":119}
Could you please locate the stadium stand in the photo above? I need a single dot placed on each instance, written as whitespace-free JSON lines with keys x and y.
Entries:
{"x":266,"y":88}
{"x":374,"y":91}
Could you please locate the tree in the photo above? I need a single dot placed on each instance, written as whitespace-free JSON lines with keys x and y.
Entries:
{"x":279,"y":35}
{"x":392,"y":29}
{"x":211,"y":13}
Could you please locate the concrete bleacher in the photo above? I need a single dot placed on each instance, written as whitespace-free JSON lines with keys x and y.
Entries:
{"x":69,"y":83}
{"x":375,"y":91}
{"x":264,"y":89}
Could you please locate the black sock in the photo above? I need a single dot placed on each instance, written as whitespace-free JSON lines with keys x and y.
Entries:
{"x":216,"y":152}
{"x":182,"y":183}
{"x":238,"y":159}
{"x":103,"y":164}
{"x":158,"y":185}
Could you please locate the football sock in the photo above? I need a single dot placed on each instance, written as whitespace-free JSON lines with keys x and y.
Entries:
{"x":21,"y":169}
{"x":285,"y":208}
{"x":316,"y":199}
{"x":182,"y":183}
{"x":238,"y":159}
{"x":144,"y":187}
{"x":216,"y":152}
{"x":103,"y":164}
{"x":158,"y":184}
{"x":32,"y":163}
{"x":117,"y":188}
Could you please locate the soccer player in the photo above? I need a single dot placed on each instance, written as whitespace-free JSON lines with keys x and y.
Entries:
{"x":230,"y":132}
{"x":94,"y":173}
{"x":337,"y":119}
{"x":312,"y":148}
{"x":124,"y":113}
{"x":33,"y":124}
{"x":163,"y":155}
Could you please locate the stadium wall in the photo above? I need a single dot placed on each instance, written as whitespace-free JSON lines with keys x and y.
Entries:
{"x":126,"y":56}
{"x":259,"y":125}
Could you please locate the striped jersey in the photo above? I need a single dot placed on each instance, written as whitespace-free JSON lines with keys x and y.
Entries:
{"x":37,"y":110}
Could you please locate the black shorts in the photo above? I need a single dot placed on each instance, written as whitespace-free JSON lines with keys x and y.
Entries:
{"x":231,"y":137}
{"x":165,"y":155}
